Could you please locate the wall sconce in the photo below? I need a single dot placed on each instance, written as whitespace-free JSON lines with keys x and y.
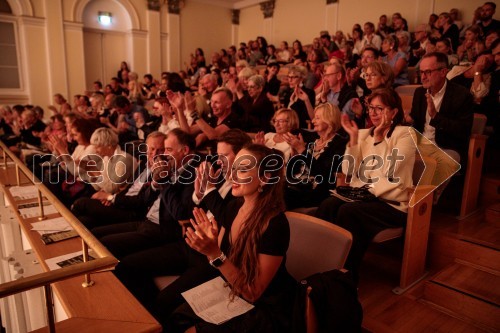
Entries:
{"x":104,"y":18}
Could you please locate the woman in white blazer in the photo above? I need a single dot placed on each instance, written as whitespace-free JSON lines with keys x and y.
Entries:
{"x":381,"y":159}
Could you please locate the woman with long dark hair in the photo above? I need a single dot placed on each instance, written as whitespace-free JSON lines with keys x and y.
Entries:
{"x":248,"y":249}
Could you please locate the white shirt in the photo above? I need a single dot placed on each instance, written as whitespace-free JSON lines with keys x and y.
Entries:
{"x":376,"y":41}
{"x":430,"y":131}
{"x":223,"y":191}
{"x":282,"y":146}
{"x":139,"y":183}
{"x":153,"y":214}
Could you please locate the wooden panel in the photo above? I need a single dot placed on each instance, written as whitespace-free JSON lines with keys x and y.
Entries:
{"x":478,"y":255}
{"x":472,"y":281}
{"x":416,"y":236}
{"x":107,"y":300}
{"x":469,"y":308}
{"x":85,"y":325}
{"x":473,"y":174}
{"x":492,"y":215}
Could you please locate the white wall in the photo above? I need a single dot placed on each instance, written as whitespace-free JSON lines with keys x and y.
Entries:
{"x":51,"y":38}
{"x":120,"y":19}
{"x":205,"y":26}
{"x":303,"y":20}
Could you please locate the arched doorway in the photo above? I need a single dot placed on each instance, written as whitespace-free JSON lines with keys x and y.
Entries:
{"x":105,"y":46}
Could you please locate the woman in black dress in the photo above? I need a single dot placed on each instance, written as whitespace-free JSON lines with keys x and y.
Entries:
{"x":249,"y":248}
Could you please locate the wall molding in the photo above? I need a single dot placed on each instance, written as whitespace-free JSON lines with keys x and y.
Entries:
{"x":34,"y":21}
{"x":77,"y":26}
{"x":80,"y":5}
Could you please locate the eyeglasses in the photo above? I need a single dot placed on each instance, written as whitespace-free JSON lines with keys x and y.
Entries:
{"x":280,"y":121}
{"x":292,"y":77}
{"x":429,"y":71}
{"x":375,"y":109}
{"x":328,"y":74}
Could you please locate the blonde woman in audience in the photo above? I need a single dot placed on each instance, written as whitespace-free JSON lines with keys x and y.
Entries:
{"x":396,"y":59}
{"x":404,"y":42}
{"x":284,"y":121}
{"x":117,"y":167}
{"x":240,"y":88}
{"x":134,"y":88}
{"x":97,"y":103}
{"x":447,"y":29}
{"x":298,"y":97}
{"x":64,"y":106}
{"x":312,"y":166}
{"x":467,"y":51}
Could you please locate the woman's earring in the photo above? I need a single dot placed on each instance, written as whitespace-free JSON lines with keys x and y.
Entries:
{"x":261,"y":188}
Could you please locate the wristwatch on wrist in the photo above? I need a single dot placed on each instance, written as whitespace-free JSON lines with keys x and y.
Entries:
{"x":217,"y":262}
{"x":110,"y":197}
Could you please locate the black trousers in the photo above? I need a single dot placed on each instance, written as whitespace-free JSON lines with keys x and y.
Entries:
{"x":92,"y":213}
{"x":126,"y":238}
{"x":137,"y":271}
{"x":364,"y":220}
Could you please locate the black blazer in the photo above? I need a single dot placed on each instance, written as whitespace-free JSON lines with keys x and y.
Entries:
{"x":453,"y":122}
{"x":216,"y":204}
{"x":176,"y":201}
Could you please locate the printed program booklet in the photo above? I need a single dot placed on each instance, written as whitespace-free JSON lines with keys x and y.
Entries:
{"x":210,"y":301}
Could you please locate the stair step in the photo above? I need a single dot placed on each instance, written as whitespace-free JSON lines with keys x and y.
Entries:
{"x":481,"y":233}
{"x":492,"y":215}
{"x":470,"y":293}
{"x":478,"y":283}
{"x":409,"y":316}
{"x":490,"y":188}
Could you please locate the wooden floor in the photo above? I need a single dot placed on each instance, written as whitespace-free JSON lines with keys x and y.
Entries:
{"x":426,"y":307}
{"x":385,"y":311}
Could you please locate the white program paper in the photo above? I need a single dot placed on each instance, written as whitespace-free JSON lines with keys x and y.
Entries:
{"x":35,"y":211}
{"x":210,"y":301}
{"x":66,"y":260}
{"x":51,"y":226}
{"x":23,"y":192}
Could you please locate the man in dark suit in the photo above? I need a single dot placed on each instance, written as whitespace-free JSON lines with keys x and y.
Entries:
{"x":215,"y":197}
{"x":105,"y":208}
{"x":136,"y":271}
{"x":169,"y":199}
{"x":442,"y":112}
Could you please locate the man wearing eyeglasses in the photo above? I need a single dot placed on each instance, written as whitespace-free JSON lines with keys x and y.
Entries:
{"x":335,"y":89}
{"x":442,"y":112}
{"x":422,"y":33}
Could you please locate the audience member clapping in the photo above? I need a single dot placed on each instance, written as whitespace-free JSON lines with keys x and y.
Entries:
{"x":284,"y":121}
{"x":309,"y":170}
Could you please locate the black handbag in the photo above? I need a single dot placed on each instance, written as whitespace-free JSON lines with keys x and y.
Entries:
{"x":356,"y":193}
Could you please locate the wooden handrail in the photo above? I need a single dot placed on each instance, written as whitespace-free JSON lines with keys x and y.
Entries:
{"x":42,"y":279}
{"x":104,"y":258}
